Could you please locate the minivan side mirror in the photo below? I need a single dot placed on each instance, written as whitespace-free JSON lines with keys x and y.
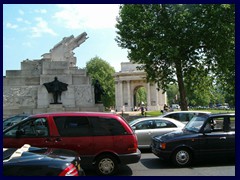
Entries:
{"x":40,"y":132}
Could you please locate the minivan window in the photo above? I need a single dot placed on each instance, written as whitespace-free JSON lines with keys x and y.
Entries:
{"x":36,"y":127}
{"x":106,"y":126}
{"x":73,"y":126}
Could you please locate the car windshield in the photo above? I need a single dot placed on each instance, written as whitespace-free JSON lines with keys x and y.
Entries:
{"x":196,"y":123}
{"x":13,"y":120}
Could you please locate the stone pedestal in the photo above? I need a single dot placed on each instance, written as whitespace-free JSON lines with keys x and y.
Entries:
{"x":96,"y":108}
{"x":55,"y":108}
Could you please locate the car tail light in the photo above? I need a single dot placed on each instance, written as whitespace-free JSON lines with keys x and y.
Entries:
{"x":70,"y":170}
{"x":134,"y":146}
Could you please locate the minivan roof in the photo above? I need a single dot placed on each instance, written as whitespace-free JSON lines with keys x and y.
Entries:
{"x":75,"y":114}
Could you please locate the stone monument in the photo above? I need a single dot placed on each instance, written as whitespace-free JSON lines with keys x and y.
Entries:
{"x":25,"y":90}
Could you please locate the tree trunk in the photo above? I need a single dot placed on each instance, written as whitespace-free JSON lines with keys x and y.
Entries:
{"x":181,"y":87}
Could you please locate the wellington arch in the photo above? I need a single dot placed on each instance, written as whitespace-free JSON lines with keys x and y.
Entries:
{"x":127,"y":81}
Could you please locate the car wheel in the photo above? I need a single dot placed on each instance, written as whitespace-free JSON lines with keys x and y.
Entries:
{"x":106,"y":165}
{"x":182,"y":157}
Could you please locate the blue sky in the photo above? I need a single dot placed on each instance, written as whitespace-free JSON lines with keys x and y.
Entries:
{"x":30,"y":30}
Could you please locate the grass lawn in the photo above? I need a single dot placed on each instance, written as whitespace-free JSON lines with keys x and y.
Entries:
{"x":158,"y":113}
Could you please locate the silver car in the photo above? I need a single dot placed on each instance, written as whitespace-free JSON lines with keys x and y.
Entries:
{"x":146,"y":128}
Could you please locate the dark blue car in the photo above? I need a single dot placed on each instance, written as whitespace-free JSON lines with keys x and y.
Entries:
{"x":206,"y":135}
{"x":33,"y":161}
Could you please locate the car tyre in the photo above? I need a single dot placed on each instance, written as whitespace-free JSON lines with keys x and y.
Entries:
{"x":106,"y":165}
{"x":182,"y":157}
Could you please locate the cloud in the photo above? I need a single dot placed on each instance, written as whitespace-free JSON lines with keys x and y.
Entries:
{"x":21,"y":12}
{"x":11,"y":26}
{"x":22,"y":20}
{"x":27,"y":44}
{"x":94,"y":16}
{"x":41,"y":28}
{"x":19,"y":19}
{"x":41,"y":11}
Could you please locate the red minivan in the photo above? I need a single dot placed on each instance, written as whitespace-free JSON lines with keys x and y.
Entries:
{"x":101,"y":139}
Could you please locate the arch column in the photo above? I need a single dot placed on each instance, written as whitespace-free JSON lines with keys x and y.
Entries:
{"x":157,"y":95}
{"x":118,"y":95}
{"x":148,"y":95}
{"x":129,"y":96}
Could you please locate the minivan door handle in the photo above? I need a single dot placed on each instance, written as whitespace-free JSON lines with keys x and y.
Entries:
{"x":48,"y":140}
{"x":58,"y":139}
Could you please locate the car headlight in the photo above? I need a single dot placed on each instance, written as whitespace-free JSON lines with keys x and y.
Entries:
{"x":162,"y":145}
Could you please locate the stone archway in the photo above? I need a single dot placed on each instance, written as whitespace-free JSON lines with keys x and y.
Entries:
{"x":126,"y":82}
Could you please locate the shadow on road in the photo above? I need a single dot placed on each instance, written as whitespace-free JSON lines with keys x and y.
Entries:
{"x":150,"y":162}
{"x":156,"y":163}
{"x":124,"y":170}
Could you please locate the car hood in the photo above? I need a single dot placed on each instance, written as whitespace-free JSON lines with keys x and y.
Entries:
{"x":175,"y":135}
{"x":42,"y":154}
{"x":41,"y":158}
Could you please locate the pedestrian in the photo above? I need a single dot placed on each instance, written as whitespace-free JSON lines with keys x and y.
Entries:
{"x":165,"y":107}
{"x":142,"y":110}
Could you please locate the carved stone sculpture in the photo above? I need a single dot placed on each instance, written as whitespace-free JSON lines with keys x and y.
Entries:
{"x":63,"y":51}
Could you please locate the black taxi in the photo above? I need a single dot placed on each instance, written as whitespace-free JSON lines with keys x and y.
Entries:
{"x":206,"y":135}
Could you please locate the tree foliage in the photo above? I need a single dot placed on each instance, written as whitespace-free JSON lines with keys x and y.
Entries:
{"x":141,"y":96}
{"x":180,"y":42}
{"x":172,"y":94}
{"x":101,"y":70}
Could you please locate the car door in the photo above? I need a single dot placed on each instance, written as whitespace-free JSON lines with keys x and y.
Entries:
{"x":219,"y":141}
{"x":33,"y":131}
{"x":74,"y":134}
{"x":143,"y":131}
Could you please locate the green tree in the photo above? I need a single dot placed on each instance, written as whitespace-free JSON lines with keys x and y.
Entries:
{"x":101,"y":70}
{"x":219,"y":38}
{"x":141,"y":96}
{"x":172,"y":94}
{"x":171,"y":41}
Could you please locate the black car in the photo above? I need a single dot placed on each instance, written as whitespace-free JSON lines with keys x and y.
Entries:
{"x":33,"y":161}
{"x":205,"y":136}
{"x":8,"y":122}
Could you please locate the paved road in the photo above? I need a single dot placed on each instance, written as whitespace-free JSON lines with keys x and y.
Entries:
{"x":150,"y":165}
